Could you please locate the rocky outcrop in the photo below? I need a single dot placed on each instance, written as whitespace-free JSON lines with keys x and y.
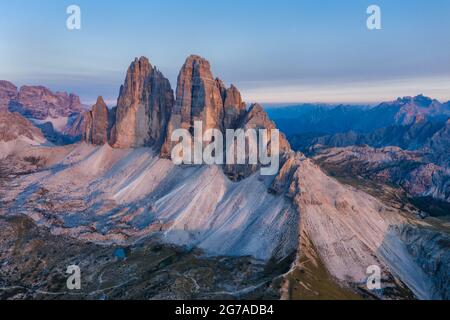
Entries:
{"x":146,"y":114}
{"x":412,"y":171}
{"x":234,"y":107}
{"x":8,"y":93}
{"x":439,"y":146}
{"x":418,"y":108}
{"x":199,"y":97}
{"x":97,"y":124}
{"x":283,"y":182}
{"x":58,"y":115}
{"x":143,"y":108}
{"x":430,"y":248}
{"x":13,"y":126}
{"x":256,"y":118}
{"x":40,"y":103}
{"x":426,"y":180}
{"x":75,"y":126}
{"x":410,"y":137}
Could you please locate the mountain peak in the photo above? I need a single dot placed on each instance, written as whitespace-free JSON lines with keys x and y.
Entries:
{"x":419,"y":100}
{"x":198,"y":98}
{"x":142,"y":61}
{"x":196,"y":58}
{"x":146,"y":114}
{"x":39,"y":102}
{"x":197,"y":67}
{"x":256,"y":108}
{"x":97,"y":123}
{"x":100,"y":101}
{"x":143,"y":108}
{"x":7,"y":85}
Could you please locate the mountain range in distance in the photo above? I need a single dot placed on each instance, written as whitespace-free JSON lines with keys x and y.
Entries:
{"x":331,"y":119}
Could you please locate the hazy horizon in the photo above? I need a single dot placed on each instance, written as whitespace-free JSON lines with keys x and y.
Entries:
{"x":111,"y":102}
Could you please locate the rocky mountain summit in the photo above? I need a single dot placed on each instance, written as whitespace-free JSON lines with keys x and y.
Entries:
{"x":198,"y":97}
{"x":97,"y":124}
{"x":415,"y":109}
{"x":147,"y":112}
{"x":143,"y":108}
{"x":201,"y":97}
{"x":40,"y":103}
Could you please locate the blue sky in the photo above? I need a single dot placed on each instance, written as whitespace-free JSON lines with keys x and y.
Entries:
{"x":274,"y":51}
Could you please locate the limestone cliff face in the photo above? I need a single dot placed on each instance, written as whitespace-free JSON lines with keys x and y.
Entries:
{"x":201,"y":97}
{"x":222,"y":88}
{"x":256,"y":118}
{"x":198,"y":98}
{"x":234,"y":107}
{"x":439,"y":146}
{"x":143,"y":108}
{"x":76,"y":127}
{"x":147,"y":115}
{"x":96,"y":124}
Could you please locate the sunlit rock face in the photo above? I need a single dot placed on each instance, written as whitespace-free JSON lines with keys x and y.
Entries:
{"x":255,"y":119}
{"x":38,"y":102}
{"x":198,"y":98}
{"x":97,"y":124}
{"x":234,"y":107}
{"x":202,"y":98}
{"x":143,"y":108}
